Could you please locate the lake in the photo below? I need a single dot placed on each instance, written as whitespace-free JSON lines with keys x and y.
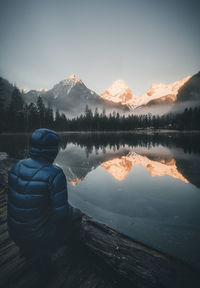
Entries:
{"x":146,"y":185}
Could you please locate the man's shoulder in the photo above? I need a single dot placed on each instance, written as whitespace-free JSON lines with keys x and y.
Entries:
{"x":27,"y":163}
{"x":50,"y":169}
{"x":57,"y":169}
{"x":45,"y":169}
{"x":15,"y":167}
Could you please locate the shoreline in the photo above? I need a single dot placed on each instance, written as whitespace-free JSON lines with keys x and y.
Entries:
{"x":138,"y":131}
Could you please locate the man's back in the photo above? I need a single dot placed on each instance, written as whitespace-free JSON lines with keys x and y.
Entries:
{"x":37,"y":197}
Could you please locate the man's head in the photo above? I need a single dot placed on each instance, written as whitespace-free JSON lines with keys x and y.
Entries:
{"x":44,"y":145}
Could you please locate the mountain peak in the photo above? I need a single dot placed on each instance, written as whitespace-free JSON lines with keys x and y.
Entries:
{"x":73,"y":78}
{"x":25,"y":90}
{"x":119,"y":92}
{"x":120,"y":82}
{"x":43,"y":90}
{"x":160,"y":89}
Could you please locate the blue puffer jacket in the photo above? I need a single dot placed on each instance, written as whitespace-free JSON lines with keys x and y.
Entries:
{"x":37,"y":194}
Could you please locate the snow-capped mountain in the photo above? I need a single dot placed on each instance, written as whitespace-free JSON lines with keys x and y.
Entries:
{"x":119,"y":92}
{"x":70,"y":95}
{"x":66,"y":86}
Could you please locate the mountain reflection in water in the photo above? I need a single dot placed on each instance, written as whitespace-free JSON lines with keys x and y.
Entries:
{"x":175,"y":155}
{"x":144,"y":185}
{"x":120,"y":167}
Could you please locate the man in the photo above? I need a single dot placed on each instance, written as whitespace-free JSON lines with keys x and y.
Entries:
{"x":39,"y":214}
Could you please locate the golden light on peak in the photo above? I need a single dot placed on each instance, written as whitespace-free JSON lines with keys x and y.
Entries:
{"x":119,"y":168}
{"x":75,"y":181}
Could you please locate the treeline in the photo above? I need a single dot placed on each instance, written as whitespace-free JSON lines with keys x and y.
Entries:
{"x":188,"y":120}
{"x":19,"y":116}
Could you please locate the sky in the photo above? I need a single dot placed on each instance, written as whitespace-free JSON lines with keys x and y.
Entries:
{"x":139,"y":41}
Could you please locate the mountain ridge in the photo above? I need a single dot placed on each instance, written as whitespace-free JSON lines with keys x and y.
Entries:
{"x":71,"y":95}
{"x":123,"y":94}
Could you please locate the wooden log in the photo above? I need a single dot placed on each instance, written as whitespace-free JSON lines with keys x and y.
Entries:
{"x":139,"y":264}
{"x":8,"y":254}
{"x":4,"y":238}
{"x":143,"y":266}
{"x":12,"y":270}
{"x":3,"y":227}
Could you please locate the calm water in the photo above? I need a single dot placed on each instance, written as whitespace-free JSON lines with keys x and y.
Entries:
{"x":144,"y":185}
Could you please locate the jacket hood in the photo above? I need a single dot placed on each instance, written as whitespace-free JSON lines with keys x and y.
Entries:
{"x":44,"y":145}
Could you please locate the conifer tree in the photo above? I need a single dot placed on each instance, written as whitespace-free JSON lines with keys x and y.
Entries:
{"x":41,"y":111}
{"x":15,"y":112}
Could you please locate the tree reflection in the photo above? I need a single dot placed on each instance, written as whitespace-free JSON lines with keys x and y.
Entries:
{"x":190,"y":143}
{"x":17,"y":145}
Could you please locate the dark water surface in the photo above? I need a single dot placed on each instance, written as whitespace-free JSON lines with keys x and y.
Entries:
{"x":144,"y":185}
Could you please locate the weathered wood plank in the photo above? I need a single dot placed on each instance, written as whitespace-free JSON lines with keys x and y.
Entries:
{"x":3,"y":227}
{"x":140,"y":264}
{"x":8,"y":254}
{"x":4,"y":237}
{"x":12,"y":270}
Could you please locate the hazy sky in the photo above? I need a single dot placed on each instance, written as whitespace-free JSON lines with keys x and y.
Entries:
{"x":139,"y":41}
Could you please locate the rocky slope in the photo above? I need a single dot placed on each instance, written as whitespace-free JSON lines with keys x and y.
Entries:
{"x":190,"y":91}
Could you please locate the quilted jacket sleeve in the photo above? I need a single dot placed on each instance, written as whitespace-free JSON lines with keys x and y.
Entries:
{"x":60,"y":208}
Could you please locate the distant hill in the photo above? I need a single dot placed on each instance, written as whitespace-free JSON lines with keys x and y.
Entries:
{"x":6,"y":89}
{"x":190,"y":91}
{"x":188,"y":95}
